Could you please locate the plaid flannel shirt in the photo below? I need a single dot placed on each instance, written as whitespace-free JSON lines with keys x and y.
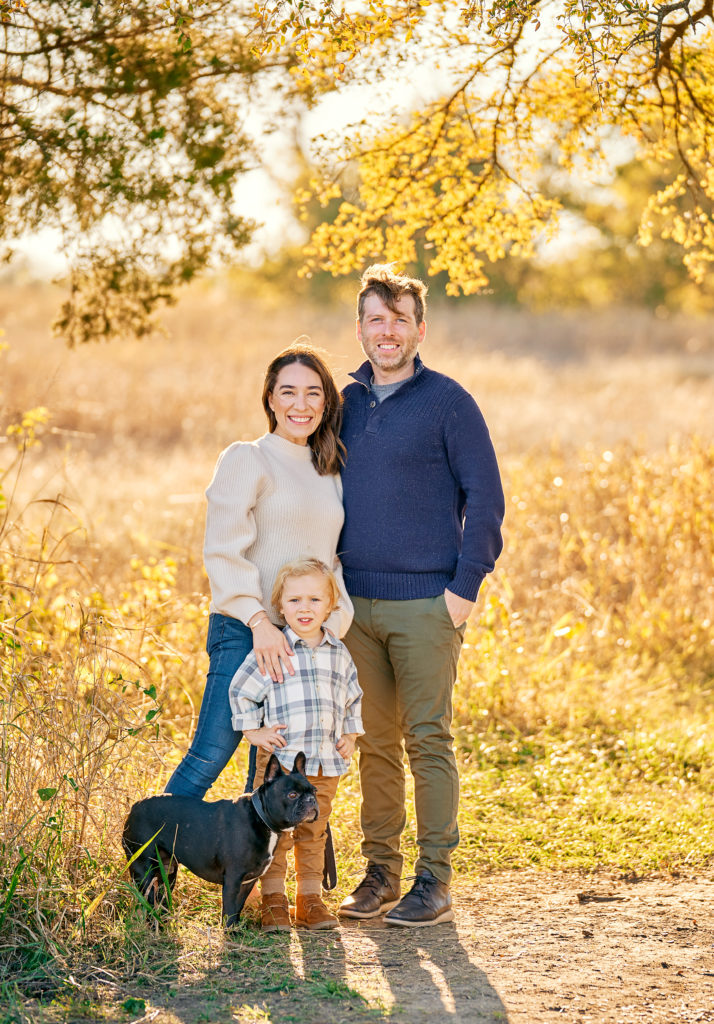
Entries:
{"x":319,"y":704}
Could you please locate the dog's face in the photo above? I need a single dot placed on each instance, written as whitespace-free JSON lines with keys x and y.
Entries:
{"x":289,"y":797}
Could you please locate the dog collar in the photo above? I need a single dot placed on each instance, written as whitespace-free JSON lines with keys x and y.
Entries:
{"x":262,"y":813}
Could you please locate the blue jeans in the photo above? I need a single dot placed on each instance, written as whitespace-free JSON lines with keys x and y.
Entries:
{"x":215,"y":741}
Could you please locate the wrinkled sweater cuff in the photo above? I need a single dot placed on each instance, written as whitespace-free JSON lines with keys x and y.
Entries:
{"x":466,"y":582}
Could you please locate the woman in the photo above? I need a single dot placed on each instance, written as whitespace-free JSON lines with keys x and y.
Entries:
{"x":270,"y":501}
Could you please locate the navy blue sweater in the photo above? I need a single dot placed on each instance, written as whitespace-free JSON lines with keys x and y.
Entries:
{"x":422,"y":492}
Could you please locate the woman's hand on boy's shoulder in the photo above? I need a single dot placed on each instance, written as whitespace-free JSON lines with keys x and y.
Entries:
{"x":272,"y":650}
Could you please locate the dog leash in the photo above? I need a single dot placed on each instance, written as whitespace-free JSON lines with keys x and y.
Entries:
{"x":329,"y":870}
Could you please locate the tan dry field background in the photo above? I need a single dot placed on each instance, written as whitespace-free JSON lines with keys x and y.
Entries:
{"x":134,"y":434}
{"x":137,"y":426}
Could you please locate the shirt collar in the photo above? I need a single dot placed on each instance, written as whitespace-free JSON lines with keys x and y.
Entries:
{"x":364,"y":374}
{"x":294,"y":639}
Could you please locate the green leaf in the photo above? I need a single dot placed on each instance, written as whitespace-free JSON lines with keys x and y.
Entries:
{"x":47,"y":794}
{"x":10,"y":641}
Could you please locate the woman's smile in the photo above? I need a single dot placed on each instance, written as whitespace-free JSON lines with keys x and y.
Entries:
{"x":297,"y":402}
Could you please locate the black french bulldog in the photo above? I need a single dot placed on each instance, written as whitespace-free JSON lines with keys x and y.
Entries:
{"x":229,"y":842}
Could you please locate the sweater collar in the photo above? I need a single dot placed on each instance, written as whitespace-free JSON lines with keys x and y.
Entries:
{"x":364,"y":374}
{"x":281,"y":446}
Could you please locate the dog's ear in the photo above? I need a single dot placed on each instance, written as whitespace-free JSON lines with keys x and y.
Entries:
{"x":273,"y":770}
{"x":299,"y":764}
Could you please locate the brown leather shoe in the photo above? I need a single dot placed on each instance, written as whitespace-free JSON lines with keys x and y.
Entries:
{"x":274,"y":913}
{"x":311,"y":912}
{"x":428,"y":902}
{"x":378,"y":891}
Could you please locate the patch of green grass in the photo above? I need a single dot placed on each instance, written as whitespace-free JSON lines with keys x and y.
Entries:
{"x":639,"y":798}
{"x":136,"y":1007}
{"x":77,"y":1006}
{"x":642,"y":802}
{"x":11,"y":1003}
{"x":331,"y":988}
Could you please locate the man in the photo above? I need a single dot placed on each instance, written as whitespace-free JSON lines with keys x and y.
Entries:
{"x":423,"y":511}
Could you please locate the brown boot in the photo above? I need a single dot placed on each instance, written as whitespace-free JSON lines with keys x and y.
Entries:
{"x":378,"y":891}
{"x":274,"y":913}
{"x":311,"y":912}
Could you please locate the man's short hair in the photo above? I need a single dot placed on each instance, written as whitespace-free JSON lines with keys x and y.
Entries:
{"x":382,"y":280}
{"x":304,"y":567}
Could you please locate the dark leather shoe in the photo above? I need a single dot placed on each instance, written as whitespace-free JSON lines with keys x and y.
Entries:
{"x":378,"y":891}
{"x":427,"y":902}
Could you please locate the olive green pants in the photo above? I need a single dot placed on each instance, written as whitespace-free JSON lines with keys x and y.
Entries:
{"x":406,"y":653}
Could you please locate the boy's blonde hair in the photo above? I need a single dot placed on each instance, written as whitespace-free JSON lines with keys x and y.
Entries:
{"x":304,"y":567}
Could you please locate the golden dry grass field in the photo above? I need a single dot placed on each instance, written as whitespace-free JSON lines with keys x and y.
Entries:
{"x":584,"y":702}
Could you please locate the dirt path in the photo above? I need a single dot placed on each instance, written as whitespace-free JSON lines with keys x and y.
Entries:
{"x":533,"y":947}
{"x":525,"y":948}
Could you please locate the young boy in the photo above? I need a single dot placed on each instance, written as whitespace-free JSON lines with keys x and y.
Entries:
{"x":317,"y":710}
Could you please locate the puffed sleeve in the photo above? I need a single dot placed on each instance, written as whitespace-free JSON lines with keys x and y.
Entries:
{"x":240,"y":478}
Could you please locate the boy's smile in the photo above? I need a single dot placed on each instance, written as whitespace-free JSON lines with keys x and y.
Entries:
{"x":305,"y":604}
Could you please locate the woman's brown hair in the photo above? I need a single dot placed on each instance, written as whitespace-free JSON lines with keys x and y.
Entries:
{"x":328,"y":452}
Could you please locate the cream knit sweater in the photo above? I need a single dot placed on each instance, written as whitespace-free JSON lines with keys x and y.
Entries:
{"x":268,"y":505}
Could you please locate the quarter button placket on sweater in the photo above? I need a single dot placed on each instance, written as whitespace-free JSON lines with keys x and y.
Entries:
{"x":374,"y":417}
